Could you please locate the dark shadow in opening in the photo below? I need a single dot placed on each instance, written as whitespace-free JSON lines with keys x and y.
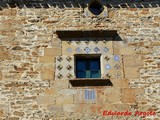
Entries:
{"x":90,"y":82}
{"x":91,"y":35}
{"x":95,"y":7}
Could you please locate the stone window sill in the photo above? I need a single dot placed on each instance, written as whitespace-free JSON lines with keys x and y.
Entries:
{"x":83,"y":82}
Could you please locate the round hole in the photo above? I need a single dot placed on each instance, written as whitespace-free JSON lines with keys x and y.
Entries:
{"x":95,"y":7}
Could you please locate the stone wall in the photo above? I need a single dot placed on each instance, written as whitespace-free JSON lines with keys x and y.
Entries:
{"x":28,"y":49}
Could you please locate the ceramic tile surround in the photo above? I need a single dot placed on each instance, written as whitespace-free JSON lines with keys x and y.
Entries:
{"x":87,"y":47}
{"x":111,"y":65}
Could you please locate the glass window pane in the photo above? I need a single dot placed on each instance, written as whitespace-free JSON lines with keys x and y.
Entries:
{"x":88,"y":68}
{"x":81,"y":65}
{"x":94,"y":65}
{"x":95,"y":74}
{"x":81,"y":74}
{"x":88,"y":74}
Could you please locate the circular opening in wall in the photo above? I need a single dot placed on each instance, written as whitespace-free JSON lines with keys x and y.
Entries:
{"x":95,"y":7}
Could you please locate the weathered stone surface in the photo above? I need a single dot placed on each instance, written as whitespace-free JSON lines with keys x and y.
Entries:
{"x":0,"y":75}
{"x":47,"y":74}
{"x":132,"y":61}
{"x":121,"y":48}
{"x":13,"y":118}
{"x":67,"y":92}
{"x":69,"y":107}
{"x":9,"y":12}
{"x":1,"y":113}
{"x":50,"y":91}
{"x":4,"y":110}
{"x":46,"y":59}
{"x":79,"y":96}
{"x":64,"y":99}
{"x":120,"y":83}
{"x":43,"y":66}
{"x":110,"y":95}
{"x":47,"y":99}
{"x":29,"y":47}
{"x":17,"y":113}
{"x":52,"y":51}
{"x":128,"y":98}
{"x":127,"y":51}
{"x":132,"y":72}
{"x":4,"y":55}
{"x":55,"y":108}
{"x":60,"y":84}
{"x":129,"y":94}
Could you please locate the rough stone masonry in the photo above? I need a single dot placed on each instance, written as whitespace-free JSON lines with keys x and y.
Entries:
{"x":29,"y":46}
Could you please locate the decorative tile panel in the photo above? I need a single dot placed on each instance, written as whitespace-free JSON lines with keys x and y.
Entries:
{"x":105,"y":49}
{"x":96,"y":49}
{"x":86,"y":47}
{"x":112,"y":66}
{"x":64,"y":67}
{"x":87,"y":50}
{"x":69,"y":50}
{"x":78,"y":50}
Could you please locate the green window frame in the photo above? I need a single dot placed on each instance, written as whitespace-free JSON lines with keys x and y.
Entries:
{"x":88,"y":68}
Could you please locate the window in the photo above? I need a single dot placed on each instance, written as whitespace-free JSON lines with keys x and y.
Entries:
{"x":96,"y":7}
{"x":88,"y":67}
{"x":89,"y":94}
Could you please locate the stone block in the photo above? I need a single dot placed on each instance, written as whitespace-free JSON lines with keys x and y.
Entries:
{"x":47,"y":59}
{"x":52,"y":51}
{"x":64,"y":99}
{"x":127,"y":51}
{"x":131,"y":72}
{"x":78,"y":97}
{"x":13,"y":118}
{"x":129,"y":60}
{"x":18,"y":113}
{"x":47,"y":74}
{"x":85,"y":108}
{"x":59,"y":84}
{"x":0,"y":75}
{"x":50,"y":91}
{"x":1,"y":113}
{"x":45,"y":99}
{"x":144,"y":51}
{"x":137,"y":91}
{"x":56,"y":43}
{"x":69,"y":107}
{"x":120,"y":83}
{"x":112,"y":95}
{"x":129,"y":94}
{"x":120,"y":48}
{"x":132,"y":61}
{"x":9,"y":12}
{"x":112,"y":14}
{"x":128,"y":98}
{"x":120,"y":107}
{"x":4,"y":55}
{"x":157,"y":18}
{"x":67,"y":92}
{"x":4,"y":110}
{"x":43,"y":66}
{"x":55,"y":108}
